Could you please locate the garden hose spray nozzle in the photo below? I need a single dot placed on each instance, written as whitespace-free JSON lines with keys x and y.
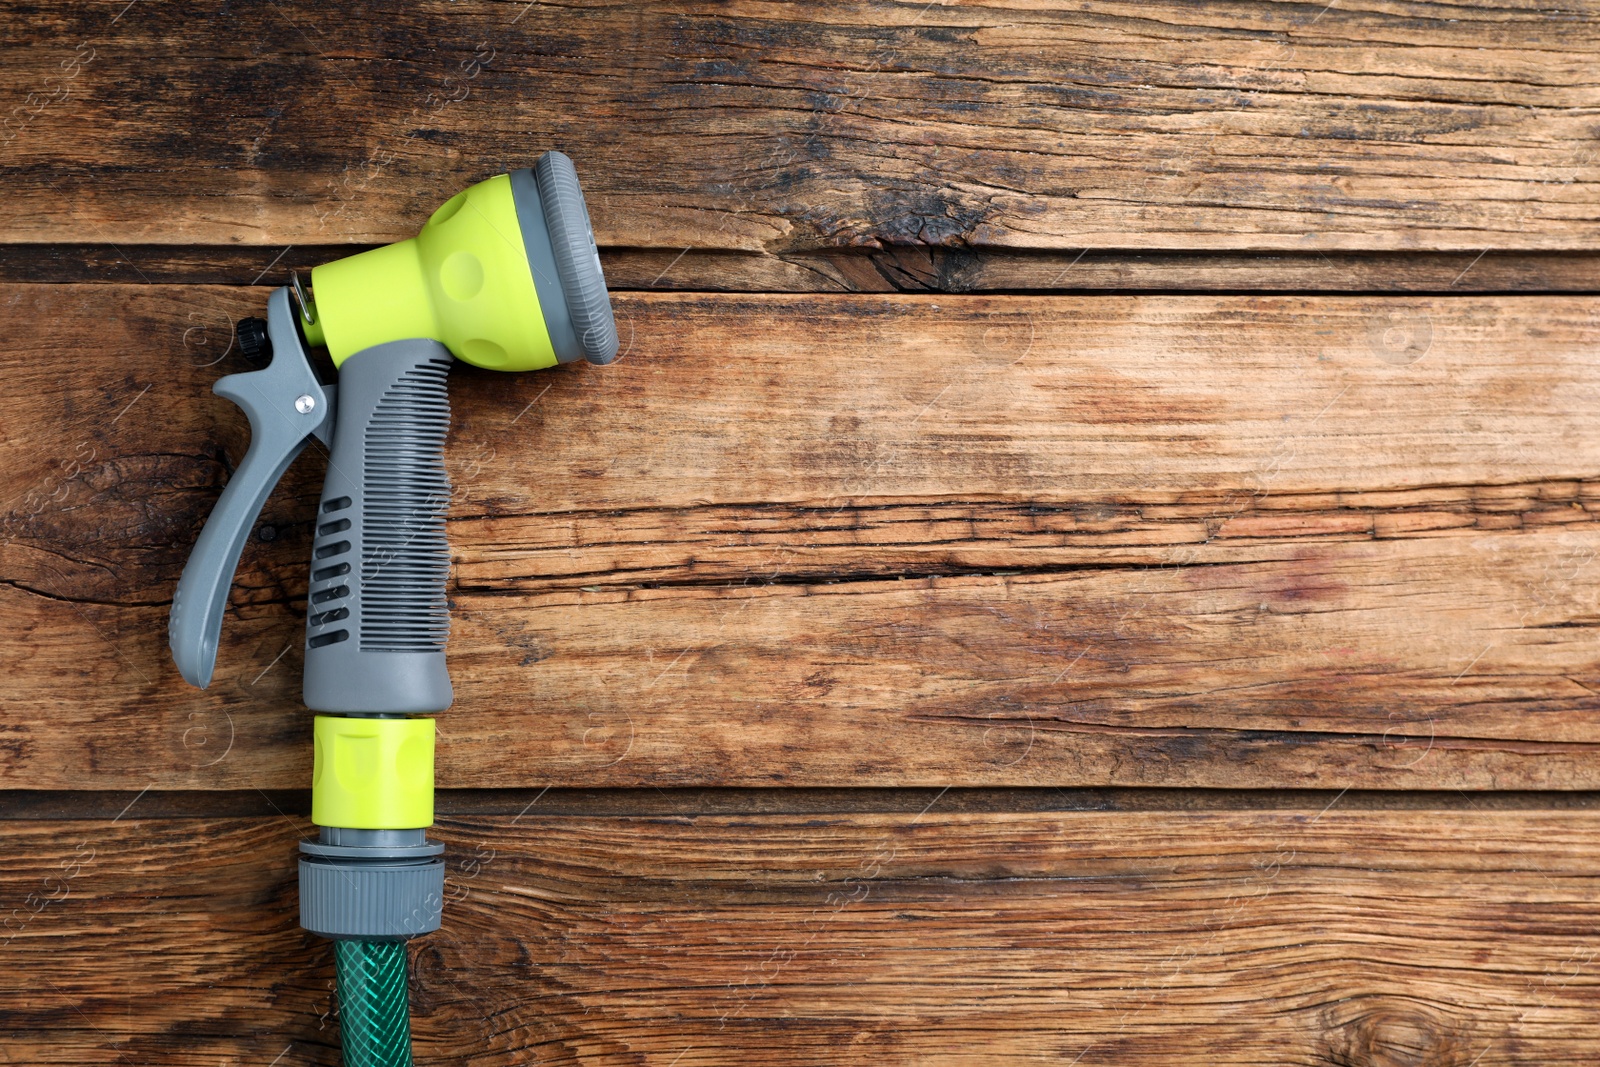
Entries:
{"x":504,"y":275}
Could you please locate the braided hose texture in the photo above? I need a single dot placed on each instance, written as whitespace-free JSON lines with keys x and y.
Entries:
{"x":374,"y":1025}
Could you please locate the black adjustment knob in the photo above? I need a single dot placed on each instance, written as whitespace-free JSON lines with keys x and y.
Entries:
{"x":254,"y":344}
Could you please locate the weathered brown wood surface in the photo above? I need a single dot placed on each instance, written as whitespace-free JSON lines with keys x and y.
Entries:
{"x":773,"y":127}
{"x":1059,"y":399}
{"x":1312,"y":937}
{"x":1210,"y":541}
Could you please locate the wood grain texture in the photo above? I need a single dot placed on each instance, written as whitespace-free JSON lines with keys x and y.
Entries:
{"x":1206,"y":648}
{"x":1089,"y":541}
{"x":1320,"y":938}
{"x":777,"y":127}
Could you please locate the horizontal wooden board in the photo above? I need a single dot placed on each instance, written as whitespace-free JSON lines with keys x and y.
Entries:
{"x":776,"y":127}
{"x":1321,"y":937}
{"x":1072,"y":541}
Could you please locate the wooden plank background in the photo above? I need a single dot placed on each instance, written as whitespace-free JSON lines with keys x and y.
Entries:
{"x":1183,"y":414}
{"x":1154,"y":540}
{"x":1349,"y":937}
{"x":766,"y":127}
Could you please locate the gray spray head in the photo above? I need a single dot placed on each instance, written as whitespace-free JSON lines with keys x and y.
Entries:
{"x":564,"y":260}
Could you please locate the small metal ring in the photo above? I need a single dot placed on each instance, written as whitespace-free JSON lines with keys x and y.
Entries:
{"x":308,"y":314}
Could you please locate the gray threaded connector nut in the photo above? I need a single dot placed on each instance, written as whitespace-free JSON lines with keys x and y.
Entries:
{"x":371,"y":884}
{"x":370,"y":900}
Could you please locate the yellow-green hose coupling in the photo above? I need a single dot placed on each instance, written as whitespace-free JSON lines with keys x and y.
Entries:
{"x":372,"y":774}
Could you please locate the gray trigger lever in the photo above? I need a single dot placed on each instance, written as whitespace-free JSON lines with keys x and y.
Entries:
{"x":286,"y":406}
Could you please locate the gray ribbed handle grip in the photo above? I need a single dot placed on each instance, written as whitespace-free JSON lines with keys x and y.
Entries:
{"x":377,"y":619}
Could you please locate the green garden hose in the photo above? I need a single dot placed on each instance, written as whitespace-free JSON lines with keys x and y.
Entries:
{"x":373,"y":1022}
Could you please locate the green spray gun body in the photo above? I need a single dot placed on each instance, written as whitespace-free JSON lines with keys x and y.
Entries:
{"x":504,"y":275}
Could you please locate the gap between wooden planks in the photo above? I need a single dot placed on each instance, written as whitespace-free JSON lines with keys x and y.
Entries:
{"x":164,"y":803}
{"x":790,"y":540}
{"x":893,"y":269}
{"x":1318,"y":936}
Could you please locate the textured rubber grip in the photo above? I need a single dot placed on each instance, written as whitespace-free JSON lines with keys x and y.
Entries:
{"x":374,"y":1019}
{"x":377,"y":620}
